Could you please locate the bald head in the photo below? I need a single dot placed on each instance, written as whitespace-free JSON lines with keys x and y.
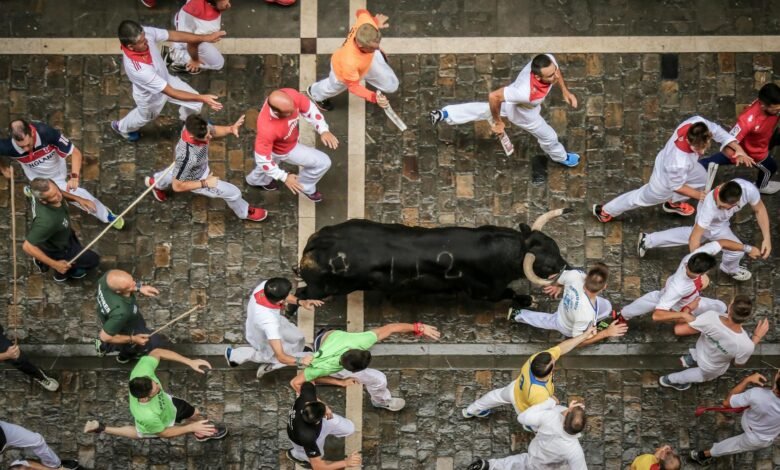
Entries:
{"x":281,"y":103}
{"x":120,"y":282}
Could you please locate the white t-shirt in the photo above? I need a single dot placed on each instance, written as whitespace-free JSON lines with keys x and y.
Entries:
{"x":576,"y":311}
{"x":680,"y":290}
{"x":523,"y":92}
{"x":190,"y":24}
{"x":552,"y":448}
{"x":718,"y":345}
{"x":148,"y":80}
{"x":762,"y":419}
{"x":709,"y":215}
{"x":264,"y":323}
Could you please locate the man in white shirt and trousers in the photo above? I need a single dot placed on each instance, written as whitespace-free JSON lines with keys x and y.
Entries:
{"x":712,"y":223}
{"x":274,"y":341}
{"x":153,"y":86}
{"x":721,"y":340}
{"x":557,"y":440}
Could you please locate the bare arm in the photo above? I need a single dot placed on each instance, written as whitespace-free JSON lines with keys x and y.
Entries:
{"x":568,"y":96}
{"x":762,"y":217}
{"x":141,"y":339}
{"x":694,"y":241}
{"x":684,"y":329}
{"x":615,"y":330}
{"x":189,"y":38}
{"x":571,"y":343}
{"x":60,"y":265}
{"x":281,"y":356}
{"x":495,"y":98}
{"x":756,"y":379}
{"x":169,"y":355}
{"x":383,"y":332}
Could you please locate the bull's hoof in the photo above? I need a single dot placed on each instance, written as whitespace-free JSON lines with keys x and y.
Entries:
{"x":522,"y":301}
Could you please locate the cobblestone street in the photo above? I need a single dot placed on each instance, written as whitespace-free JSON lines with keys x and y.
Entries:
{"x":195,"y":251}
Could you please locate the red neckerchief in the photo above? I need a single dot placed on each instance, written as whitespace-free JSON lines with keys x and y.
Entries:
{"x":698,"y":283}
{"x":202,"y":10}
{"x":190,"y":139}
{"x":145,"y":57}
{"x":539,"y":89}
{"x":682,"y":139}
{"x":715,"y":194}
{"x":261,"y":299}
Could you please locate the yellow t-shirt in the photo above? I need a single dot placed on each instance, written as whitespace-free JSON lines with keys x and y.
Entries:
{"x":645,"y":462}
{"x":531,"y":391}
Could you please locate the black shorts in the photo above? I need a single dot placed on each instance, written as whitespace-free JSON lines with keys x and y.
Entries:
{"x":183,"y":409}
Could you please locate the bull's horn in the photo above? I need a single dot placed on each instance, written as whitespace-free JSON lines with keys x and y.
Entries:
{"x":544,"y":218}
{"x":528,"y":269}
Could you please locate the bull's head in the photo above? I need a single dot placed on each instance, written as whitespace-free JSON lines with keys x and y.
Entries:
{"x":542,"y":256}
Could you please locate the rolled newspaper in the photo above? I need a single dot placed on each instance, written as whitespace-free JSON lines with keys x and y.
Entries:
{"x":506,"y":143}
{"x":392,"y":115}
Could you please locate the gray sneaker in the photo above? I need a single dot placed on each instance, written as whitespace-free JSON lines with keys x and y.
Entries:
{"x":664,"y":382}
{"x":264,"y":369}
{"x":394,"y":404}
{"x":688,"y":361}
{"x":48,"y":383}
{"x":640,"y":245}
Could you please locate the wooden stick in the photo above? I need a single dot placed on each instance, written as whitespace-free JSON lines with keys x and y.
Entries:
{"x":712,"y":171}
{"x":108,"y":227}
{"x":175,"y":320}
{"x":13,"y":318}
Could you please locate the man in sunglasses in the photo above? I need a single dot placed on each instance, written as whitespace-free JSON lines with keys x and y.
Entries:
{"x":277,"y":141}
{"x":520,"y":102}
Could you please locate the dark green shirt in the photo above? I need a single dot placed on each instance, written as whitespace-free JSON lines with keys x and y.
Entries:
{"x":50,"y":228}
{"x":116,"y":312}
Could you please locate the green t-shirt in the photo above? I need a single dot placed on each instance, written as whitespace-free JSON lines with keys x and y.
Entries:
{"x":157,"y":414}
{"x":50,"y":228}
{"x":327,"y":360}
{"x":116,"y":312}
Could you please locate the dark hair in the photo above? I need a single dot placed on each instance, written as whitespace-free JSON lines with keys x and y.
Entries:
{"x":670,"y":462}
{"x":730,"y":192}
{"x":741,"y":308}
{"x":128,"y":32}
{"x":539,"y":62}
{"x":277,"y":289}
{"x":197,"y":126}
{"x":19,"y":129}
{"x":769,"y":94}
{"x":312,"y":413}
{"x":698,"y":134}
{"x":356,"y":360}
{"x":140,"y":387}
{"x":597,"y":277}
{"x":542,"y":364}
{"x":574,"y":422}
{"x":700,"y":263}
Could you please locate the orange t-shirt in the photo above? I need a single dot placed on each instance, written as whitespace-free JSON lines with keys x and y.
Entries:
{"x":350,"y":64}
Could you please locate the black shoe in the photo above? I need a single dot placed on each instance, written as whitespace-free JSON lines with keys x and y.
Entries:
{"x":664,"y":382}
{"x":479,"y":464}
{"x":78,"y":273}
{"x":220,"y":434}
{"x":60,"y":277}
{"x":42,"y":268}
{"x":68,"y":464}
{"x":302,"y":463}
{"x":123,"y":359}
{"x":324,"y":105}
{"x":641,"y":249}
{"x":700,"y":459}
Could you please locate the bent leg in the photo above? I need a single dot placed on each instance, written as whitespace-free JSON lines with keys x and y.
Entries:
{"x":531,"y":121}
{"x":21,"y":438}
{"x":677,"y":236}
{"x":145,"y":111}
{"x":513,"y":462}
{"x":493,"y":399}
{"x":314,"y":164}
{"x":231,"y":195}
{"x":642,"y":197}
{"x":738,"y":444}
{"x":375,"y":382}
{"x":328,"y":87}
{"x":642,"y":305}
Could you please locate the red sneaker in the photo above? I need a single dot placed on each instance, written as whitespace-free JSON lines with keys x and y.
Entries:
{"x":149,"y":3}
{"x":600,"y":214}
{"x":315,"y":196}
{"x":159,"y":194}
{"x":680,"y":208}
{"x":284,"y":3}
{"x":256,"y":214}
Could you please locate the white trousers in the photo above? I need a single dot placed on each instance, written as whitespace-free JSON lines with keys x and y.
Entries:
{"x":209,"y":56}
{"x":648,"y":302}
{"x":380,"y":75}
{"x":696,"y":375}
{"x":148,"y":108}
{"x":101,"y":210}
{"x":680,"y":235}
{"x":250,"y":354}
{"x":338,"y":426}
{"x":744,"y":442}
{"x":313,"y":163}
{"x":649,"y":195}
{"x":528,"y":119}
{"x":375,"y":382}
{"x":494,"y":399}
{"x":18,"y":437}
{"x":513,"y":462}
{"x":224,"y":190}
{"x":552,"y":321}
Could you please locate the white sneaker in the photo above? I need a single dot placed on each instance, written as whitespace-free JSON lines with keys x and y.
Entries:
{"x":264,"y":369}
{"x":48,"y":383}
{"x":771,"y":187}
{"x":742,"y":274}
{"x":640,"y":245}
{"x":394,"y":404}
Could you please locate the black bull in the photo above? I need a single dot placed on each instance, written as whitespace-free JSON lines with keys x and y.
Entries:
{"x":485,"y":262}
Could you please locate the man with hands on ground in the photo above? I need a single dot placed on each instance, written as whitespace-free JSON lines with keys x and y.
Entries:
{"x":342,"y":359}
{"x":534,"y":385}
{"x":760,"y":421}
{"x":10,"y":351}
{"x":156,"y":413}
{"x":123,"y":328}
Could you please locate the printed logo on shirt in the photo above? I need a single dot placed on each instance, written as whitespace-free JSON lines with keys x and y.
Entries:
{"x":736,"y":129}
{"x":292,"y":125}
{"x":65,"y":223}
{"x":716,"y":343}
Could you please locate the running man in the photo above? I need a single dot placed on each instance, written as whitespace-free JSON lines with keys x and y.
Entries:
{"x":712,"y":223}
{"x":359,"y":58}
{"x":721,"y":341}
{"x":557,"y":441}
{"x":274,"y":342}
{"x":676,"y":174}
{"x":520,"y":102}
{"x":42,"y":152}
{"x":760,"y":421}
{"x":533,"y":386}
{"x":191,"y":169}
{"x":580,"y":307}
{"x":13,"y":436}
{"x":756,"y":130}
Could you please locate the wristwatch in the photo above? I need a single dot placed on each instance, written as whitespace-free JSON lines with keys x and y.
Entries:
{"x":138,"y":286}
